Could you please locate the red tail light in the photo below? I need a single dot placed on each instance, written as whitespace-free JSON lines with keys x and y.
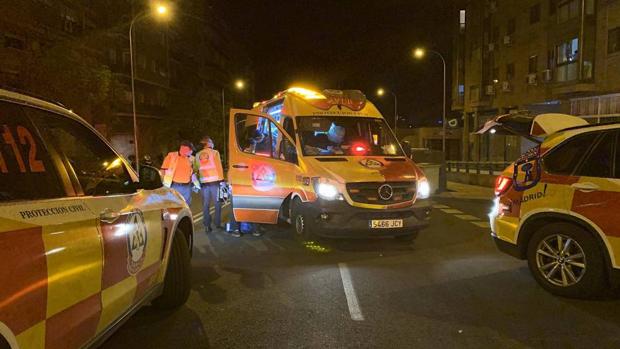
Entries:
{"x":502,"y":184}
{"x":359,"y":149}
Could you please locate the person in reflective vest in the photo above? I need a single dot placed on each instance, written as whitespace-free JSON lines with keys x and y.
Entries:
{"x":208,"y":166}
{"x":178,"y":173}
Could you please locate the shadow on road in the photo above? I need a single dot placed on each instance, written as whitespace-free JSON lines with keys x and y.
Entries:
{"x":203,"y":282}
{"x":153,"y":328}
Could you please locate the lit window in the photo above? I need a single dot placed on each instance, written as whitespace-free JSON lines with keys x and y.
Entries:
{"x":462,"y":19}
{"x":613,"y":42}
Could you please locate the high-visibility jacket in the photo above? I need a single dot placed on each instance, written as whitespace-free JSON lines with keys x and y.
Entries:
{"x":169,"y":168}
{"x":208,"y":166}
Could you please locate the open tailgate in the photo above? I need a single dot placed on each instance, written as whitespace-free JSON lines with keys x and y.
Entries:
{"x":530,"y":126}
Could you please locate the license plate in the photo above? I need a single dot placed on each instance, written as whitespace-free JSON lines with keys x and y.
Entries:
{"x":386,"y":223}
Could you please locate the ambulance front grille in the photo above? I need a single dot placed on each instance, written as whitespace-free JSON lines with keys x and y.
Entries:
{"x":368,"y":192}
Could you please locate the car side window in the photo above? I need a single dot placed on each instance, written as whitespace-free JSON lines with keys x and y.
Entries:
{"x":26,"y":169}
{"x":599,"y":161}
{"x":565,"y":158}
{"x":98,"y":169}
{"x":254,"y":135}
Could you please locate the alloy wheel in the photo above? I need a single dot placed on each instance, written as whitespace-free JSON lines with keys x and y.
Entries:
{"x":560,"y":260}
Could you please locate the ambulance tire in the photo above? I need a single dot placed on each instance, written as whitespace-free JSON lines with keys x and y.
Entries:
{"x":593,"y":281}
{"x":300,"y":222}
{"x":177,"y":283}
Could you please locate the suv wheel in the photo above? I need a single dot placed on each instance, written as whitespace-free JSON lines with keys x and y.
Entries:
{"x":566,"y":261}
{"x":177,"y":283}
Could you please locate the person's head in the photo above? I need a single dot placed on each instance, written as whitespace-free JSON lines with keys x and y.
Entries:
{"x":257,"y":137}
{"x":336,"y":133}
{"x":186,"y":148}
{"x":207,"y":142}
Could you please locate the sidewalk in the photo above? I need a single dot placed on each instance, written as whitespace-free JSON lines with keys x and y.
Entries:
{"x":466,"y":191}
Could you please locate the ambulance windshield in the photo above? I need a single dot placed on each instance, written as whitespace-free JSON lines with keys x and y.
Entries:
{"x":346,"y":136}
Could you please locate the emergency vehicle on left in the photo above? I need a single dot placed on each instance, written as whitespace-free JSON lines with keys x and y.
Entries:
{"x":84,"y":241}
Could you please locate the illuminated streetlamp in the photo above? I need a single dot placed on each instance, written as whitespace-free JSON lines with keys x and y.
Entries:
{"x":381,"y":92}
{"x":420,"y":53}
{"x":160,"y":11}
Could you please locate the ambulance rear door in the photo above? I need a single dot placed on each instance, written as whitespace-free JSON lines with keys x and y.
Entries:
{"x":263,"y":166}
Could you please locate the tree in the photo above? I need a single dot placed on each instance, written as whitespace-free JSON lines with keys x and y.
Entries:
{"x":69,"y":72}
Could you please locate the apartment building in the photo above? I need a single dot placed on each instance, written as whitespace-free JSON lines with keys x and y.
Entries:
{"x":533,"y":55}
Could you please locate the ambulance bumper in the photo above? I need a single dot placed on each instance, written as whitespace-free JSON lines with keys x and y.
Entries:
{"x":338,"y":219}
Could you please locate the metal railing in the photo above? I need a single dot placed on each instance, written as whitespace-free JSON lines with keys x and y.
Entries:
{"x":477,"y":167}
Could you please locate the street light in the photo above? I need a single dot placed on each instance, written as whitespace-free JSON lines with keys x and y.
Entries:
{"x":160,"y":11}
{"x":420,"y":53}
{"x":381,"y":92}
{"x":239,"y":86}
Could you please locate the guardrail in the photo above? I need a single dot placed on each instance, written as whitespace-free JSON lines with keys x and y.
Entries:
{"x":488,"y":167}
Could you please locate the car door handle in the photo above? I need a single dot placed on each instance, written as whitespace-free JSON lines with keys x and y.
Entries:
{"x":109,"y":216}
{"x":240,"y":166}
{"x":585,"y":187}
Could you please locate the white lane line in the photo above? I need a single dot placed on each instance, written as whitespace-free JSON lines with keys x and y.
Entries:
{"x":482,"y":224}
{"x":349,"y":291}
{"x":452,"y":211}
{"x":440,"y":206}
{"x":467,"y":217}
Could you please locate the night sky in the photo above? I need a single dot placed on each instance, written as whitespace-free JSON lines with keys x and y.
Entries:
{"x":347,"y":44}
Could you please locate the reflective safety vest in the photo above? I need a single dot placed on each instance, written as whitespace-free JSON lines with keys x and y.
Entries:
{"x":169,"y":167}
{"x":208,"y":165}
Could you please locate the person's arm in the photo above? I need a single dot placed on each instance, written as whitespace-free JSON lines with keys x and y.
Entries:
{"x":165,"y":165}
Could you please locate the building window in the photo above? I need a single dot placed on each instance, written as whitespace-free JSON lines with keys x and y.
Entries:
{"x":461,"y":90}
{"x":613,"y":41}
{"x":142,"y":62}
{"x":462,"y":19}
{"x":511,"y":28}
{"x":154,"y":66}
{"x":553,"y":7}
{"x":474,"y":93}
{"x":510,"y":71}
{"x":533,"y":64}
{"x":535,"y":14}
{"x":567,"y":60}
{"x":568,"y":10}
{"x":13,"y":41}
{"x":112,"y":56}
{"x":495,"y":73}
{"x":126,"y":58}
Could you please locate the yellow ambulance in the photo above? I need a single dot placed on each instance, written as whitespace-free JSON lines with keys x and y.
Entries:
{"x":557,"y":205}
{"x":83,"y":242}
{"x":326,"y":162}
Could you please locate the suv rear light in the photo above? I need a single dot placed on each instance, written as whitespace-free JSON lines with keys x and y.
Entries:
{"x":502,"y":184}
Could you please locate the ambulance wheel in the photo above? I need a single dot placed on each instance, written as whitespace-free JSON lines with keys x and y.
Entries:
{"x":177,"y":282}
{"x":567,"y":261}
{"x":301,"y":223}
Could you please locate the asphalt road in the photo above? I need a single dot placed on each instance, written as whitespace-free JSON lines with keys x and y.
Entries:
{"x":450,"y":288}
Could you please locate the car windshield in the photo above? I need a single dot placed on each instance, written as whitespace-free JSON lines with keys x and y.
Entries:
{"x":346,"y":136}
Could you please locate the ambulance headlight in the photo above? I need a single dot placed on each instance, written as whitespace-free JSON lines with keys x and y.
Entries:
{"x":327,"y":191}
{"x":424,"y":189}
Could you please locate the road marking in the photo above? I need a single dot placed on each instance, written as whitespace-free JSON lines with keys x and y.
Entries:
{"x":482,"y":224}
{"x":452,"y":211}
{"x":349,"y":291}
{"x":467,"y":217}
{"x":440,"y":206}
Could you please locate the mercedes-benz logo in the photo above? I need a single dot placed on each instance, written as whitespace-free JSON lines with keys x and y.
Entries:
{"x":386,"y":192}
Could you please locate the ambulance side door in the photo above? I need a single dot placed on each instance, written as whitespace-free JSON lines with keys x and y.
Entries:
{"x":263,"y":166}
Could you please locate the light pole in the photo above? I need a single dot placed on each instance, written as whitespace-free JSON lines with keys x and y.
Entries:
{"x":419,"y":53}
{"x":159,"y":11}
{"x":239,"y":86}
{"x":381,"y":93}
